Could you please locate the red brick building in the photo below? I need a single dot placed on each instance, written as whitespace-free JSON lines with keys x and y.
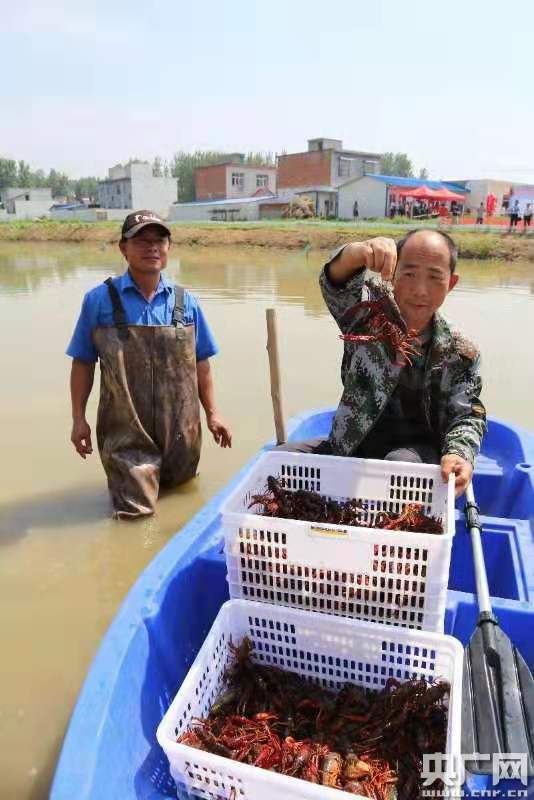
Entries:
{"x":323,"y":167}
{"x":233,"y":179}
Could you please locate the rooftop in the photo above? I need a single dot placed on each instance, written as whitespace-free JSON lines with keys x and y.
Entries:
{"x":236,"y":164}
{"x":357,"y":153}
{"x":304,"y":189}
{"x":396,"y":180}
{"x":231,"y":202}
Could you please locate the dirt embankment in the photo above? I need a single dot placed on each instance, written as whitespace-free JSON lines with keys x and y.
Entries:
{"x":478,"y":245}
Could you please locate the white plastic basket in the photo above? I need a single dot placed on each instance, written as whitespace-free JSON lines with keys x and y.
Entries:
{"x":329,"y":651}
{"x":394,"y":577}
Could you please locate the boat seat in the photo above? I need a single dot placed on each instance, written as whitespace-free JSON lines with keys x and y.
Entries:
{"x":488,"y":483}
{"x":488,"y":466}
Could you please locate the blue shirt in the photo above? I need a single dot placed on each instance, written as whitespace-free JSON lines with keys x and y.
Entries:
{"x":97,"y":311}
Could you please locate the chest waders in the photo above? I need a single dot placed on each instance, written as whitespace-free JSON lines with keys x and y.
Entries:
{"x":148,"y":424}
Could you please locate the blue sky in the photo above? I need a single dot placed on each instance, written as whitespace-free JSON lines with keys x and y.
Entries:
{"x":86,"y":85}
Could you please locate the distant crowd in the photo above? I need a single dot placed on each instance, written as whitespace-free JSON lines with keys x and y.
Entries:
{"x":428,"y":209}
{"x":423,"y":209}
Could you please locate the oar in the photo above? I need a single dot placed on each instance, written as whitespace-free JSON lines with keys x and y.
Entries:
{"x":498,"y":686}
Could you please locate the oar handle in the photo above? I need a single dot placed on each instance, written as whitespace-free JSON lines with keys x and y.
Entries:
{"x":472,"y":515}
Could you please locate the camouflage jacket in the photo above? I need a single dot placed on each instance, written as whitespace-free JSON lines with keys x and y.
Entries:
{"x":452,"y":382}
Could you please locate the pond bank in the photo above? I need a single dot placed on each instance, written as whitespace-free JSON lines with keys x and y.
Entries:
{"x":284,"y":235}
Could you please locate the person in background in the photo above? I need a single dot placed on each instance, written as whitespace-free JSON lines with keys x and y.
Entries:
{"x":455,"y":211}
{"x":480,"y":214}
{"x":515,"y":215}
{"x":427,"y":409}
{"x":527,"y":216}
{"x":355,"y":212}
{"x":154,"y":346}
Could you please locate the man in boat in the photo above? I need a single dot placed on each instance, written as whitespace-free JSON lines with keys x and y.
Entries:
{"x":423,"y":407}
{"x":154,"y":346}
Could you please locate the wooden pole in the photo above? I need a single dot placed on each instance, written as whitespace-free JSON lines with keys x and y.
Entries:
{"x":274,"y":367}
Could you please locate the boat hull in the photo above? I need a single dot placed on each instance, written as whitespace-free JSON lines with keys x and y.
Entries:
{"x":110,"y":749}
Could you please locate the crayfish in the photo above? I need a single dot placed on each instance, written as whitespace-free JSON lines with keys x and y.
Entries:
{"x":313,"y":507}
{"x":306,"y":505}
{"x":411,"y":518}
{"x":363,"y":742}
{"x":398,"y":342}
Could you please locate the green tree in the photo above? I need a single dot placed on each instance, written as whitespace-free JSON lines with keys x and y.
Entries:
{"x":38,"y":179}
{"x":59,"y":183}
{"x":25,"y":177}
{"x":13,"y":173}
{"x":260,"y":159}
{"x":396,"y":164}
{"x":423,"y":174}
{"x":157,"y":167}
{"x":8,"y":173}
{"x":86,"y":187}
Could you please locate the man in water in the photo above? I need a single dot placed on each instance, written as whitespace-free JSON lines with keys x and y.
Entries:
{"x":428,"y":410}
{"x":154,"y":346}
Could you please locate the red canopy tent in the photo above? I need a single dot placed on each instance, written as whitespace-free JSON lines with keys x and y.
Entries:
{"x":426,"y":193}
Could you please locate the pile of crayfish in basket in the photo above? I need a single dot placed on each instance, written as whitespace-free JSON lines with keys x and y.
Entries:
{"x":365,"y":743}
{"x":303,"y":504}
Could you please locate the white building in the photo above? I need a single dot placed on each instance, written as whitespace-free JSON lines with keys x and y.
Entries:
{"x":480,"y":188}
{"x":133,"y":186}
{"x":241,"y":209}
{"x":26,"y":203}
{"x":371,"y":195}
{"x":81,"y":213}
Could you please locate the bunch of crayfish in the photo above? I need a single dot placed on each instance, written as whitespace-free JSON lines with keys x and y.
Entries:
{"x":306,"y":505}
{"x":303,"y":504}
{"x":401,"y":344}
{"x":371,"y":744}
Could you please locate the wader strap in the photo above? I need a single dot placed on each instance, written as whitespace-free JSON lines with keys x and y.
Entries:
{"x":178,"y":311}
{"x":119,"y":317}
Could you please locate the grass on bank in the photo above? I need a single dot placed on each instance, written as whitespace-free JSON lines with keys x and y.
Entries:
{"x":315,"y":233}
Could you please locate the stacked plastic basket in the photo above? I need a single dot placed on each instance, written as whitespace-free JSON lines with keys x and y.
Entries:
{"x":377,"y":596}
{"x":366,"y":573}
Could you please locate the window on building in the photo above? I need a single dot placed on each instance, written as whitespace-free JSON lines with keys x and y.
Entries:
{"x":343,"y":167}
{"x":262,"y":180}
{"x":238,"y":179}
{"x":371,"y":167}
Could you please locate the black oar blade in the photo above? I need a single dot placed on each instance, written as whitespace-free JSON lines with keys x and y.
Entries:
{"x":498,"y":700}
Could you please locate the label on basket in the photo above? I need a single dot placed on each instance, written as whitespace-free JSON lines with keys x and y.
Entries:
{"x":320,"y":530}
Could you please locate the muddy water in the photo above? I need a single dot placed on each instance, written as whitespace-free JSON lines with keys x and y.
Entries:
{"x":64,"y":566}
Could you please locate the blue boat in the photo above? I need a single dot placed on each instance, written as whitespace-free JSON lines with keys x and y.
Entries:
{"x":110,"y":749}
